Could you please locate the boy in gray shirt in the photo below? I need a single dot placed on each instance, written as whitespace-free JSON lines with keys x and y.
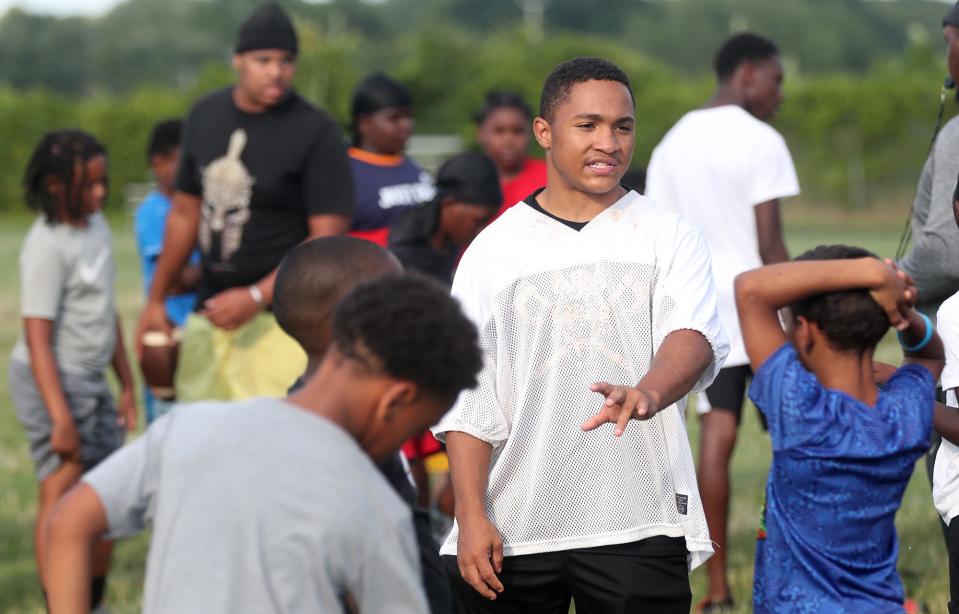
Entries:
{"x":275,"y":505}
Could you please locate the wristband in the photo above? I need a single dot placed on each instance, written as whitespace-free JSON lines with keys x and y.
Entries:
{"x":925,"y":339}
{"x":257,"y":294}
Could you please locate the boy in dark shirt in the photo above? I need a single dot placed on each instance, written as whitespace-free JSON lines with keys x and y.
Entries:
{"x":430,"y":238}
{"x":261,"y":171}
{"x":388,"y":183}
{"x":310,"y":282}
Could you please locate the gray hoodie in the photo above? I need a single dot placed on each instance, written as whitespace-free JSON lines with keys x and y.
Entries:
{"x":933,"y":261}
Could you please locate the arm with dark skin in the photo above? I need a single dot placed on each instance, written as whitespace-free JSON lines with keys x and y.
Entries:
{"x":234,"y":307}
{"x":769,"y":230}
{"x":179,"y":241}
{"x":77,"y":523}
{"x":945,"y":420}
{"x":187,"y":281}
{"x":121,"y":366}
{"x":64,"y":439}
{"x":760,"y":294}
{"x":679,"y":363}
{"x":228,"y":309}
{"x":479,"y":550}
{"x":675,"y":369}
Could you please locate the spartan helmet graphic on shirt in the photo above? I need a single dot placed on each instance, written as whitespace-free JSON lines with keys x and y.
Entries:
{"x":227,"y":189}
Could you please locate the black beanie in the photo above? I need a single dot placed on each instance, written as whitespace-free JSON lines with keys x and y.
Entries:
{"x":268,"y":27}
{"x":469,"y":177}
{"x":952,"y":17}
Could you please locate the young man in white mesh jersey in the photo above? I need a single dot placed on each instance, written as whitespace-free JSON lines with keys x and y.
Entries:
{"x":597,"y":315}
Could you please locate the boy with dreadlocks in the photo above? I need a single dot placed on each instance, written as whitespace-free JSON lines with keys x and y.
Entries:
{"x":71,"y":331}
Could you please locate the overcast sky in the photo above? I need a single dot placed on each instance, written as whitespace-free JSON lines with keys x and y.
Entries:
{"x":70,"y":7}
{"x":61,"y":7}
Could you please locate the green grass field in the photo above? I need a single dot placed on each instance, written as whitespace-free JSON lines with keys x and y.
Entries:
{"x":922,"y":559}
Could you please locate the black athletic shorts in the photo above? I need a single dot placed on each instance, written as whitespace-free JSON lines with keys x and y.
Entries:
{"x":727,"y":392}
{"x":645,"y":576}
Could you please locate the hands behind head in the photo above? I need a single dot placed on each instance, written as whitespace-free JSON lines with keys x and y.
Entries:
{"x":896,"y":294}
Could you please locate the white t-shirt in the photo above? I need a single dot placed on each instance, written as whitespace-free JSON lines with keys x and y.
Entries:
{"x":261,"y":507}
{"x":713,"y":167}
{"x":945,"y":474}
{"x":558,"y":310}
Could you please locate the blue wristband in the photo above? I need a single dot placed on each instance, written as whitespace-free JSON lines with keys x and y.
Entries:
{"x":925,"y":339}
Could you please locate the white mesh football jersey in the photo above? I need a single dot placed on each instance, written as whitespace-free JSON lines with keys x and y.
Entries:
{"x":558,"y":310}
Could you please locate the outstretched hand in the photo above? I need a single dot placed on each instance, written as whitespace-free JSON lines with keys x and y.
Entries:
{"x":622,"y":404}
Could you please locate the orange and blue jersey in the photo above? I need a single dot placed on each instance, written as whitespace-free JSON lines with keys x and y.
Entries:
{"x":386,"y":187}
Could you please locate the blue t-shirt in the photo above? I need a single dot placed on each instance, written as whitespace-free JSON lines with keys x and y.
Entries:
{"x":148,"y":226}
{"x":386,"y":187}
{"x":838,"y":474}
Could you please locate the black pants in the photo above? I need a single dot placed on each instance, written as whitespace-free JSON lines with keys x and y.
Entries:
{"x":645,"y":576}
{"x":952,"y":543}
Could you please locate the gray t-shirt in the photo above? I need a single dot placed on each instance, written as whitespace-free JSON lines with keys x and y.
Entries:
{"x":67,"y":275}
{"x":933,"y":261}
{"x":260,"y":506}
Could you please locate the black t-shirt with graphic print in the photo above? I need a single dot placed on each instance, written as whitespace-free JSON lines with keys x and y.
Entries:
{"x":260,"y":176}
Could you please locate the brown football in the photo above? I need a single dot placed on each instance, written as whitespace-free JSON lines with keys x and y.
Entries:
{"x":158,"y":362}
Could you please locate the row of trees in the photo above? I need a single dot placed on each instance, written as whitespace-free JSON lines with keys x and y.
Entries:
{"x":856,"y":138}
{"x":146,"y":42}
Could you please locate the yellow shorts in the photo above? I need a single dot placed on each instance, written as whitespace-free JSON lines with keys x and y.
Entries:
{"x":255,"y":360}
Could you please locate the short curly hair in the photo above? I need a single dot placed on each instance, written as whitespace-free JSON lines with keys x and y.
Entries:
{"x":501,"y":99}
{"x":744,"y":47}
{"x":165,"y":138}
{"x":409,"y":327}
{"x":851,"y":320}
{"x":558,"y":84}
{"x":314,"y":276}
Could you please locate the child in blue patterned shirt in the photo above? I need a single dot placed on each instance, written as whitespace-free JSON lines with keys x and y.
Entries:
{"x":843,"y":448}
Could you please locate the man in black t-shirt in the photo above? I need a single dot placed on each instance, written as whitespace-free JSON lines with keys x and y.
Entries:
{"x":261,"y":171}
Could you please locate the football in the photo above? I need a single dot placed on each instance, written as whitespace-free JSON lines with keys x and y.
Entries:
{"x":158,"y":362}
